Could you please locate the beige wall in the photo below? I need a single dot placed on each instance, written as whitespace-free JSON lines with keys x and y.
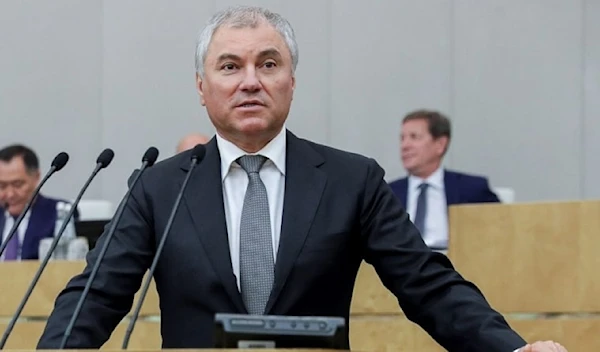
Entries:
{"x":519,"y":78}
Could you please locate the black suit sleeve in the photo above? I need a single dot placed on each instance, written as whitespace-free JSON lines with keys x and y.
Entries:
{"x":429,"y":290}
{"x":118,"y":279}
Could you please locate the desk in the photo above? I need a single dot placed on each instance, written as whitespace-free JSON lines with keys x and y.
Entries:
{"x":509,"y":250}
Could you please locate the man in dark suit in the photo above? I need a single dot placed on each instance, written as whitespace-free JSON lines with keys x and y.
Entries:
{"x":270,"y":223}
{"x":19,"y":176}
{"x":429,"y":189}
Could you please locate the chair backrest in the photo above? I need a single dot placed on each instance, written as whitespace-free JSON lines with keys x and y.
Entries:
{"x":95,"y":209}
{"x":505,"y":194}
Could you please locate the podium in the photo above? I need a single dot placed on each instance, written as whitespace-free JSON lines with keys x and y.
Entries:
{"x":536,"y":263}
{"x":211,"y":350}
{"x":57,"y":274}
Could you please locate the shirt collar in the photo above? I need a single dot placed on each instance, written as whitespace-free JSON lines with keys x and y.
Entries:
{"x":435,"y":180}
{"x":274,"y":151}
{"x":8,"y":216}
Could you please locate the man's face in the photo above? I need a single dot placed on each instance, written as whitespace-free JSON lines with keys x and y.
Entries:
{"x":16,"y":185}
{"x":248,"y":82}
{"x":421,"y":153}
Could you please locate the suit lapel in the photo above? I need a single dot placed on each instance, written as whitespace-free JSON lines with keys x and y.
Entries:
{"x":404,"y":192}
{"x":304,"y":185}
{"x":1,"y":224}
{"x":204,"y":201}
{"x":451,"y":187}
{"x":40,"y":217}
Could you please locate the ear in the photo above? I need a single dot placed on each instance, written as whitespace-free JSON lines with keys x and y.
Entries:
{"x":441,"y":145}
{"x":293,"y":85}
{"x":199,"y":89}
{"x":37,"y":176}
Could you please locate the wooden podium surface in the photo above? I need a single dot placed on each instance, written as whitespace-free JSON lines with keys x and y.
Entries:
{"x":530,"y":257}
{"x":536,"y":263}
{"x":53,"y":280}
{"x":209,"y":350}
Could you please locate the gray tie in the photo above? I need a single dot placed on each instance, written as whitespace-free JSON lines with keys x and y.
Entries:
{"x":421,"y":208}
{"x":256,"y":246}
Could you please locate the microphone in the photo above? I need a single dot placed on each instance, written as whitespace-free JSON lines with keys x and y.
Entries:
{"x":103,"y":161}
{"x":60,"y":160}
{"x":197,"y":156}
{"x":148,"y":160}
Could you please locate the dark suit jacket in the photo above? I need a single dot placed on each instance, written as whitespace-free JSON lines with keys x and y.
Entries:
{"x":460,"y":188}
{"x":42,"y":222}
{"x":338,"y":210}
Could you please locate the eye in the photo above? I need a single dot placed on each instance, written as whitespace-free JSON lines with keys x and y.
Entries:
{"x":228,"y":67}
{"x":270,"y":64}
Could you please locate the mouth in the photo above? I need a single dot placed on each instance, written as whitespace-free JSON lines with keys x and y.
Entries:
{"x":250,"y":104}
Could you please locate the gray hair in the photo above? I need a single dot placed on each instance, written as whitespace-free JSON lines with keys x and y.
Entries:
{"x":244,"y":17}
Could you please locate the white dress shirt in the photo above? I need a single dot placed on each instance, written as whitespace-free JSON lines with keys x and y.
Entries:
{"x":436,"y":219}
{"x":8,"y":224}
{"x":235,"y":181}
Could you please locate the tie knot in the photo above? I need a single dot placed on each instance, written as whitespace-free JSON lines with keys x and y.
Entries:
{"x":423,"y":186}
{"x":251,"y":163}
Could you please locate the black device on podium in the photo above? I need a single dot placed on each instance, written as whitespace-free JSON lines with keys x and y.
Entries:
{"x":91,"y":230}
{"x":273,"y":331}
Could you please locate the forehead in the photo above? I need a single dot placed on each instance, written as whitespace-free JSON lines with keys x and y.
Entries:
{"x":246,"y":40}
{"x":12,"y":169}
{"x":418,"y":125}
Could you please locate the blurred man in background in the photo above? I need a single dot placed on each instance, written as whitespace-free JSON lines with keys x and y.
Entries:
{"x":429,"y":189}
{"x":190,"y":141}
{"x":19,"y":176}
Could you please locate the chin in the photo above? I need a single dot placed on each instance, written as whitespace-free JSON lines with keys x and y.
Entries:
{"x":15,"y":211}
{"x":254,"y":125}
{"x":410,"y":168}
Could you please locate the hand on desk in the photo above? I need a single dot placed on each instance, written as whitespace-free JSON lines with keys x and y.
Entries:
{"x":543,"y":346}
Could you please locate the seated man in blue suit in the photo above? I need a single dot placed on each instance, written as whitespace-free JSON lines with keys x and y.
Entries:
{"x":19,"y":176}
{"x":429,"y":189}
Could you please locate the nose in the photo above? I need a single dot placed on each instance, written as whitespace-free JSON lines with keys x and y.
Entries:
{"x":8,"y":193}
{"x":250,"y":81}
{"x":5,"y":198}
{"x":405,"y":144}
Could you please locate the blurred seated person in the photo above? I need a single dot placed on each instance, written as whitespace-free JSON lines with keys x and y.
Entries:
{"x":19,"y":176}
{"x":190,"y":141}
{"x":429,"y":188}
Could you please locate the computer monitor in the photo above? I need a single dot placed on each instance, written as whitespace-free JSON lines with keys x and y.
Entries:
{"x":90,"y":229}
{"x":271,"y":331}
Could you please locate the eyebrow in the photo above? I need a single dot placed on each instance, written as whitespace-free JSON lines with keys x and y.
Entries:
{"x":228,"y":56}
{"x":271,"y":52}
